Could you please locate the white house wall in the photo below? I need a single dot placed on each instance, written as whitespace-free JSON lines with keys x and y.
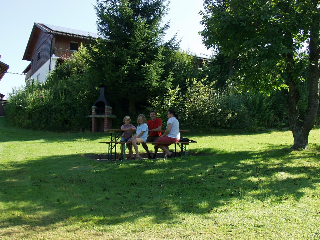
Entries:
{"x":42,"y":73}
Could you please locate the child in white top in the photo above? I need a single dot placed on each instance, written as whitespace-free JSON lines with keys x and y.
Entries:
{"x":141,"y":134}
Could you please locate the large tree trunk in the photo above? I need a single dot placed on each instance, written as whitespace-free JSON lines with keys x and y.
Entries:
{"x":301,"y":138}
{"x":295,"y":123}
{"x":301,"y":128}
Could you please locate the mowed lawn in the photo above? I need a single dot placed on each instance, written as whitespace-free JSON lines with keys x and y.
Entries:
{"x":231,"y":186}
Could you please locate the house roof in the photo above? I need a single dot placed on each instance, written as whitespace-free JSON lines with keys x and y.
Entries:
{"x":3,"y":69}
{"x":54,"y":30}
{"x":65,"y":31}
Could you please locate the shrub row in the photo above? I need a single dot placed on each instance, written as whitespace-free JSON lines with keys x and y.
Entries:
{"x":202,"y":107}
{"x":62,"y":108}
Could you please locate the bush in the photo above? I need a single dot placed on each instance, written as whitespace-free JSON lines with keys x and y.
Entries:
{"x":65,"y":99}
{"x":60,"y":104}
{"x":201,"y":107}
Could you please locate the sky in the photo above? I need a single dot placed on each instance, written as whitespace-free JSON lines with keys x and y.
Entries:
{"x":17,"y":18}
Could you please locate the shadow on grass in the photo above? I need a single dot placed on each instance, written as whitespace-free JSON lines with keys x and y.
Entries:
{"x":12,"y":134}
{"x":53,"y":189}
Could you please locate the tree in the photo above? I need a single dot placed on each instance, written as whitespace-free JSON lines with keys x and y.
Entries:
{"x":129,"y":58}
{"x":273,"y":43}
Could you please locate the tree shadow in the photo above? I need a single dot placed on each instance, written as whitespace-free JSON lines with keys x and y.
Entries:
{"x":14,"y":134}
{"x":52,"y":189}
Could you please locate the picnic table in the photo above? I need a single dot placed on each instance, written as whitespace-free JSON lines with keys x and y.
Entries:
{"x":115,"y":135}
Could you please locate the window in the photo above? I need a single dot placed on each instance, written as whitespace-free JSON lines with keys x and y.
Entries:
{"x":73,"y":47}
{"x":39,"y":56}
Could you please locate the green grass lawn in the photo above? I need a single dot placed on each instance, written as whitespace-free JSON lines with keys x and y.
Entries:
{"x":232,"y":186}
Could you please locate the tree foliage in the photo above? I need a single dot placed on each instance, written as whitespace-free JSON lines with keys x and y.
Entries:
{"x":202,"y":107}
{"x":61,"y":103}
{"x":137,"y":67}
{"x":267,"y":40}
{"x":130,"y":57}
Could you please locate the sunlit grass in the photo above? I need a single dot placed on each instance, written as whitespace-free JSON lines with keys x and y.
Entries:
{"x":232,"y":186}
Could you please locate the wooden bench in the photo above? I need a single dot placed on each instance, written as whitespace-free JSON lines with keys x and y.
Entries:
{"x":182,"y":145}
{"x":112,"y":145}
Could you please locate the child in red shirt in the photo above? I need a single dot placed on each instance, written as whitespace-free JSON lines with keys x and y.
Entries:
{"x":155,"y":125}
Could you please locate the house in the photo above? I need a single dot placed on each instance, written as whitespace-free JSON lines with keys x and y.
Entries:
{"x":48,"y":43}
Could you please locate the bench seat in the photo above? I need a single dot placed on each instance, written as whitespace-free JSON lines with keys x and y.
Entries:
{"x":182,"y":145}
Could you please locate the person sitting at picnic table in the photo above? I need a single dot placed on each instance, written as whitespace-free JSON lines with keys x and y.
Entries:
{"x":154,"y":124}
{"x":171,"y":135}
{"x":140,"y":136}
{"x":126,"y":136}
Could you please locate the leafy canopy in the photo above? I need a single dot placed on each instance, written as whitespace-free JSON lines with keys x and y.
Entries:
{"x":258,"y":35}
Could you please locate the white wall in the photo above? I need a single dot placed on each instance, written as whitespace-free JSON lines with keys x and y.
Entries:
{"x":42,"y":73}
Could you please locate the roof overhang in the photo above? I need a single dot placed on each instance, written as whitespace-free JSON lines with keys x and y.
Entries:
{"x":3,"y":69}
{"x":33,"y":39}
{"x":27,"y":69}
